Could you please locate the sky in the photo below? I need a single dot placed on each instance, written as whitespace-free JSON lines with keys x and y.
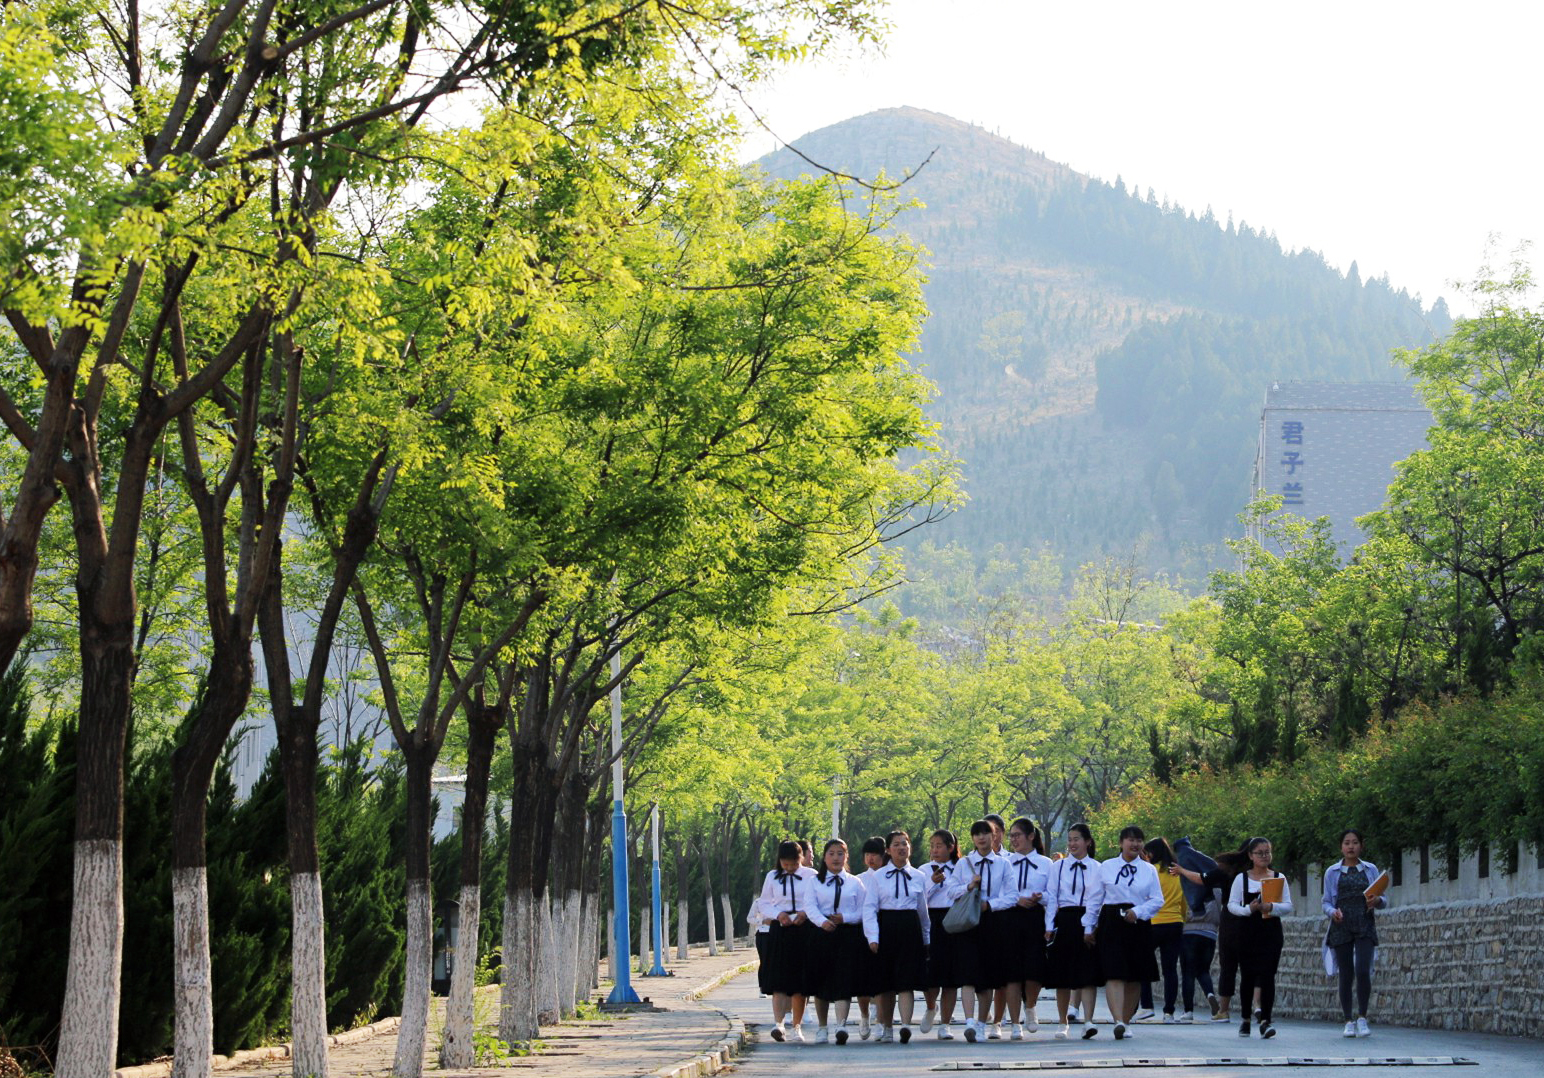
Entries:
{"x":1401,"y":136}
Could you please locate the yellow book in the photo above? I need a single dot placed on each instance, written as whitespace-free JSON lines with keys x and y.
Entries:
{"x":1271,"y":891}
{"x":1376,"y":888}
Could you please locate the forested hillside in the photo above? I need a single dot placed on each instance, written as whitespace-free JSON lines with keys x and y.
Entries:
{"x":1101,"y":355}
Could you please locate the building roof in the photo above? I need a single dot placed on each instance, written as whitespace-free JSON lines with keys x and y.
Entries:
{"x":1345,"y":396}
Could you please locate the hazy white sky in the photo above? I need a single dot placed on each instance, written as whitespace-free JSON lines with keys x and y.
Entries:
{"x":1399,"y":135}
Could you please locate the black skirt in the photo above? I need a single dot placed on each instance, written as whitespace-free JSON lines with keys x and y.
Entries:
{"x":833,"y":961}
{"x":1125,"y":948}
{"x":992,"y":938}
{"x":1069,"y":962}
{"x":1024,"y":944}
{"x":902,"y":955}
{"x":764,"y":970}
{"x":783,"y":960}
{"x":946,"y":965}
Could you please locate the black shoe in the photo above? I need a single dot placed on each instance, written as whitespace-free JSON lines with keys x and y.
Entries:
{"x":1243,"y":1028}
{"x":1267,"y":1031}
{"x":1089,"y":1030}
{"x":777,"y":1033}
{"x":905,"y":1034}
{"x":841,"y":1036}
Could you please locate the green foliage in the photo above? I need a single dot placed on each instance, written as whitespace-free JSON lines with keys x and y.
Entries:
{"x":1460,"y":772}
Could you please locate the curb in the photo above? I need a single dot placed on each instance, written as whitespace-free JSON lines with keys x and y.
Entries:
{"x":718,"y":1057}
{"x":162,"y":1068}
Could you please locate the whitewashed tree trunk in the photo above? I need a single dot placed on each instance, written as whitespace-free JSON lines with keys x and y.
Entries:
{"x":517,"y":997}
{"x":88,"y":1035}
{"x":664,"y":929}
{"x":683,"y":924}
{"x":712,"y":926}
{"x":409,"y":1060}
{"x":570,"y":990}
{"x":645,"y":940}
{"x":457,"y":1051}
{"x":589,"y":937}
{"x":611,"y":949}
{"x":723,"y":900}
{"x":548,"y":1008}
{"x":308,"y":963}
{"x":193,"y":1051}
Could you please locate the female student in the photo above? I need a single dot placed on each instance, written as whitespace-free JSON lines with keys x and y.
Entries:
{"x":943,"y":952}
{"x":1353,"y":935}
{"x":1260,"y":937}
{"x":783,"y":957}
{"x":896,"y":925}
{"x":1229,"y":866}
{"x":1132,"y":894}
{"x":834,"y":898}
{"x":988,"y":875}
{"x":1197,"y":946}
{"x":1025,"y":940}
{"x":869,"y":980}
{"x":1072,"y":901}
{"x":1168,"y":922}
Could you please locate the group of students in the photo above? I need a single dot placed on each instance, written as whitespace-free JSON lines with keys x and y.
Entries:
{"x":1074,"y":924}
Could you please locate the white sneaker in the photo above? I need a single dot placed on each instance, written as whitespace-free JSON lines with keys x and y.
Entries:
{"x":905,"y":1035}
{"x":796,"y":1034}
{"x":994,"y":1032}
{"x":1090,"y":1031}
{"x":1074,"y":1013}
{"x":1016,"y":1032}
{"x":1168,"y":1018}
{"x":1361,"y":1028}
{"x":1031,"y":1023}
{"x":777,"y":1031}
{"x":927,"y":1021}
{"x":822,"y":1035}
{"x":945,"y":1033}
{"x":884,"y":1036}
{"x":1186,"y":1018}
{"x":1062,"y":1033}
{"x":863,"y":1024}
{"x":1144,"y":1015}
{"x":970,"y":1031}
{"x":1120,"y":1031}
{"x":1350,"y":1030}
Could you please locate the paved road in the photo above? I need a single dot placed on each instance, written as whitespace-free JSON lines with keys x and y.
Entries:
{"x":1496,"y":1057}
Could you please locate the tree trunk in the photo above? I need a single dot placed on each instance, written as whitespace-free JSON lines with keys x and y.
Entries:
{"x":88,"y":1033}
{"x":532,"y":807}
{"x":411,"y":1034}
{"x":308,"y":946}
{"x":548,"y":1010}
{"x":458,"y":1051}
{"x":723,"y":900}
{"x":193,"y":763}
{"x":645,"y":940}
{"x":707,"y":895}
{"x":683,"y":902}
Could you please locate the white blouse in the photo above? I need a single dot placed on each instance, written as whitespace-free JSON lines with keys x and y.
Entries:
{"x":998,"y":887}
{"x":895,"y":889}
{"x":1134,"y":881}
{"x":841,"y":892}
{"x":1074,"y":881}
{"x":1238,"y":903}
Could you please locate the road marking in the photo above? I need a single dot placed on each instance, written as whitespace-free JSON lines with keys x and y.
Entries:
{"x":1212,"y":1061}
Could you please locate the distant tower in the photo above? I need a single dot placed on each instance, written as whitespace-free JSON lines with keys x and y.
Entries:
{"x":1329,"y":449}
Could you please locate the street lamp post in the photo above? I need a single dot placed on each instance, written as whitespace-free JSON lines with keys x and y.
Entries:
{"x":622,"y":991}
{"x":658,"y":927}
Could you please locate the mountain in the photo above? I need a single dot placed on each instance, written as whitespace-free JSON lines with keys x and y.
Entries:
{"x":1101,"y":357}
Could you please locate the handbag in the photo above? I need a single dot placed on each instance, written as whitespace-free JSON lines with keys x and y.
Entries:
{"x":964,"y":914}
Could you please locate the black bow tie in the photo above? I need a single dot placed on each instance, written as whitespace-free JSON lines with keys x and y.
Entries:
{"x":984,"y":867}
{"x":789,"y":891}
{"x":1077,"y":866}
{"x":835,"y":882}
{"x":1024,"y":867}
{"x":902,"y":878}
{"x":1128,"y":870}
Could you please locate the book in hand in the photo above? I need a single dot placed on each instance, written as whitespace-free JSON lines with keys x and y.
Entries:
{"x":1271,"y":891}
{"x":1376,"y":888}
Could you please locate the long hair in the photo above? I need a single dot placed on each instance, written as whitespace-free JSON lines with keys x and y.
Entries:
{"x":949,"y":841}
{"x":1026,"y":825}
{"x":1088,"y":837}
{"x":1158,"y":852}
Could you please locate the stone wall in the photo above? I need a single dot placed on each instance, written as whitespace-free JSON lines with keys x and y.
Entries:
{"x":1464,"y":953}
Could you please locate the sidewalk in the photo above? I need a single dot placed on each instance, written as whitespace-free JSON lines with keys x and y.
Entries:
{"x":670,"y":1042}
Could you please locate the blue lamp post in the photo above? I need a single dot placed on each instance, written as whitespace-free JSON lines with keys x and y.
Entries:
{"x":622,"y":991}
{"x":659,"y":905}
